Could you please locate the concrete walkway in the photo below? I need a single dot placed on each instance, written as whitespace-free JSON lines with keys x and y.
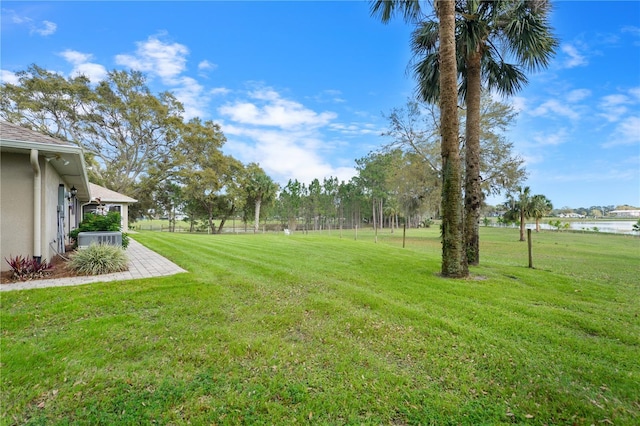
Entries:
{"x":143,"y":263}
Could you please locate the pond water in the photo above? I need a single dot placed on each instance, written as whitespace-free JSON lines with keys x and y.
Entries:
{"x":610,"y":226}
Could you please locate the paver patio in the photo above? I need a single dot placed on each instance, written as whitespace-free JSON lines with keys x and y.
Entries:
{"x":143,"y":263}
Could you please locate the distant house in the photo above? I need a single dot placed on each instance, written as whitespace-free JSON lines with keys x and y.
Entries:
{"x":572,"y":215}
{"x":43,"y":183}
{"x":104,"y":200}
{"x":625,"y":213}
{"x":44,"y":193}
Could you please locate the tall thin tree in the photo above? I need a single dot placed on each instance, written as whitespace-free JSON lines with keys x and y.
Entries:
{"x":489,"y":33}
{"x":454,"y":262}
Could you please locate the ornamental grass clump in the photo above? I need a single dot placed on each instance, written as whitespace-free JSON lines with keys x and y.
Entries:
{"x":99,"y":259}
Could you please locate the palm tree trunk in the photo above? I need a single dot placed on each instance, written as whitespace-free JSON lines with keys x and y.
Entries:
{"x":256,"y":219}
{"x":472,"y":190}
{"x":454,"y":263}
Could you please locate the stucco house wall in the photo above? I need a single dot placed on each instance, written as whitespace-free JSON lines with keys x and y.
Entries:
{"x":59,"y":163}
{"x":16,"y":205}
{"x":16,"y":189}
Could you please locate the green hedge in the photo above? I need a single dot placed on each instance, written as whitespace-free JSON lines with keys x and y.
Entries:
{"x":94,"y":222}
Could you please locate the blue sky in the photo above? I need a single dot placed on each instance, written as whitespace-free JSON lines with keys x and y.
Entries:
{"x":300,"y":87}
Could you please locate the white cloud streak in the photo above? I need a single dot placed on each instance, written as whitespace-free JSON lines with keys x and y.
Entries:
{"x":82,"y":65}
{"x":626,"y":132}
{"x":555,"y":108}
{"x":206,"y":65}
{"x":578,"y":95}
{"x":574,"y":57}
{"x":273,"y":111}
{"x":44,"y":28}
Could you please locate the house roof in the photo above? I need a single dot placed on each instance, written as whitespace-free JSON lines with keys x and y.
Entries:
{"x":18,"y":133}
{"x":108,"y":196}
{"x":66,"y":158}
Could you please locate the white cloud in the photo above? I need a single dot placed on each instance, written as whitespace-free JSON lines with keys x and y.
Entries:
{"x":530,"y":159}
{"x":546,"y":139}
{"x":15,"y":18}
{"x":82,"y":66}
{"x":75,"y":57}
{"x":578,"y":95}
{"x":220,"y":91}
{"x":206,"y":65}
{"x":168,"y":61}
{"x":575,"y":59}
{"x":355,"y":129}
{"x":95,"y":72}
{"x":283,"y":154}
{"x":518,"y":103}
{"x":614,"y":100}
{"x":45,"y":28}
{"x":634,"y":31}
{"x":153,"y":56}
{"x":554,"y":108}
{"x":615,"y":107}
{"x":274,"y":111}
{"x":329,"y":95}
{"x":282,"y":135}
{"x":189,"y":92}
{"x":8,"y":77}
{"x":627,"y":132}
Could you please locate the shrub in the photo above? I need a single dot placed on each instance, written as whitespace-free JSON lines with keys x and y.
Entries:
{"x":94,"y":222}
{"x":99,"y":259}
{"x":426,"y":223}
{"x":25,"y":268}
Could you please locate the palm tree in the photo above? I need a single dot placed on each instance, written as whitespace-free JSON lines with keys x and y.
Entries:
{"x":540,"y":207}
{"x":453,"y":259}
{"x":454,"y":263}
{"x":260,"y":188}
{"x":488,"y":32}
{"x":519,"y":209}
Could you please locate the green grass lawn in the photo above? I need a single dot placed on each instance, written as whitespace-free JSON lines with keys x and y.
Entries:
{"x":318,"y":329}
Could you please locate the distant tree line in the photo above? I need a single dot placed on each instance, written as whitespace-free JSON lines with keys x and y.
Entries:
{"x":138,"y":143}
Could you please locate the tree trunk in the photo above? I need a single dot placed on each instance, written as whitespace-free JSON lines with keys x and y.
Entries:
{"x":212,"y":226}
{"x":522,"y":225}
{"x":472,"y":190}
{"x":256,"y":220}
{"x":454,"y":262}
{"x":222,"y":222}
{"x":375,"y":227}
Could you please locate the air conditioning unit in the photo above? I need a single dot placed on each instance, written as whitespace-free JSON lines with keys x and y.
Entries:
{"x":113,"y":238}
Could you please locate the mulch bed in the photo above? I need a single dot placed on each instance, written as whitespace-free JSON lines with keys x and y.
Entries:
{"x":59,"y":271}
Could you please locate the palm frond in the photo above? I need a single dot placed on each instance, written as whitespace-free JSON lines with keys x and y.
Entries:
{"x":427,"y":72}
{"x":506,"y":78}
{"x":385,"y":10}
